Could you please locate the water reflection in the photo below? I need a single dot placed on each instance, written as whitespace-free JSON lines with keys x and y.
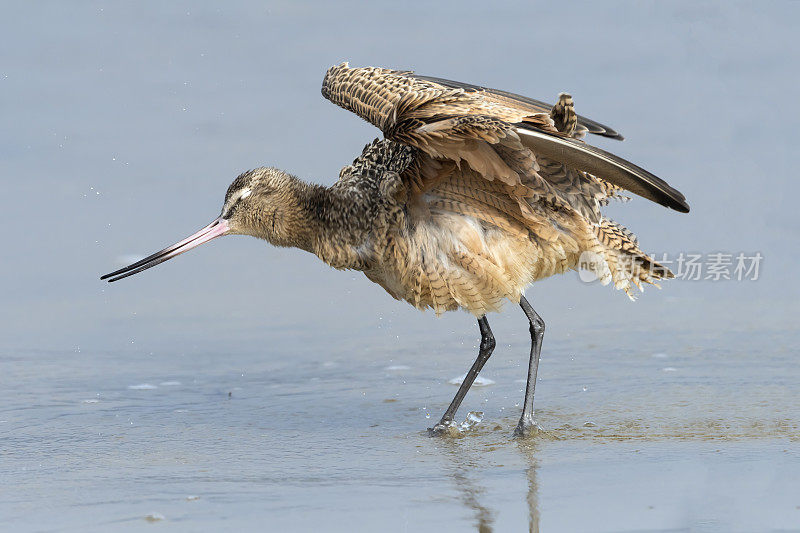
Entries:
{"x":527,"y":450}
{"x":462,"y":463}
{"x":465,"y":464}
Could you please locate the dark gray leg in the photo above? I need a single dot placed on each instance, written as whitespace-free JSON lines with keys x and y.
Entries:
{"x":526,"y":422}
{"x":487,"y":345}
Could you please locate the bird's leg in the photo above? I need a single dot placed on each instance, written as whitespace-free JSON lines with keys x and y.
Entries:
{"x":526,"y":421}
{"x":485,"y":351}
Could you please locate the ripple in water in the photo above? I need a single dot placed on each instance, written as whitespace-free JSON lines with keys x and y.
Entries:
{"x":142,"y":386}
{"x":479,"y":381}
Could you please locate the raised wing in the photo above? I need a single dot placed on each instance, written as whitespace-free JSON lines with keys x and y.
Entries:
{"x":585,"y":125}
{"x":497,"y":135}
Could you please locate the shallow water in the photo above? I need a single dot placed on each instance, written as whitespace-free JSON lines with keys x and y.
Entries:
{"x":243,"y":387}
{"x":307,"y":437}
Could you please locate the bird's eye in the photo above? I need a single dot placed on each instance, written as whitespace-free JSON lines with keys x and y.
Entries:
{"x":232,"y":209}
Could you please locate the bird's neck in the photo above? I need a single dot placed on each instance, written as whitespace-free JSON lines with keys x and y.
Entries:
{"x":339,"y":225}
{"x":333,"y":223}
{"x":296,"y":216}
{"x":289,"y":219}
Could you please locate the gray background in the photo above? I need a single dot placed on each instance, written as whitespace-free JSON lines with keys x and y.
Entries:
{"x":122,"y":125}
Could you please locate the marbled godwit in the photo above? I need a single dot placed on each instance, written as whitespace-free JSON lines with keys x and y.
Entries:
{"x":474,"y":194}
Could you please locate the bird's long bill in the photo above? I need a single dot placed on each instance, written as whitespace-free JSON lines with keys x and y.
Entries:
{"x":216,"y":229}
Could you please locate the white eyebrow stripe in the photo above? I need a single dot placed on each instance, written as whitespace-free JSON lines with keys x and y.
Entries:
{"x":235,"y":199}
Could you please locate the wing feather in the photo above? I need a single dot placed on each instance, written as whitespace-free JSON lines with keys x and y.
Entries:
{"x":498,"y":134}
{"x":598,"y":162}
{"x":534,"y":106}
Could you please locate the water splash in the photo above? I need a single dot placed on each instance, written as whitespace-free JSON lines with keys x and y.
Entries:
{"x":473,"y":419}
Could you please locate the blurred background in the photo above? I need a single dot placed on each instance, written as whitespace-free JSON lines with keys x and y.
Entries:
{"x":122,"y":125}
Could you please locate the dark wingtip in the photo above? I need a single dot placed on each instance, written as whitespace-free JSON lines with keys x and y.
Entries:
{"x":595,"y":128}
{"x":609,"y":134}
{"x":674,"y":200}
{"x":612,"y":168}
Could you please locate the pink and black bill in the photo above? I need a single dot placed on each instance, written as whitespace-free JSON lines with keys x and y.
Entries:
{"x":217,"y":228}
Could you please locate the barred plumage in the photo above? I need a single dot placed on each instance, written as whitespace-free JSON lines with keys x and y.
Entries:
{"x":473,"y":194}
{"x":500,"y":195}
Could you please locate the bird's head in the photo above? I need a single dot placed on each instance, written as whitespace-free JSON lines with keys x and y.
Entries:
{"x":264,"y":202}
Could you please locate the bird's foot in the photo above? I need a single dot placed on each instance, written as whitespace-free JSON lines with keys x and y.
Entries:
{"x":527,"y":427}
{"x":443,"y":429}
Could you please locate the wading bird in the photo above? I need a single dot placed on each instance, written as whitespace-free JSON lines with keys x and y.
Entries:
{"x":472,"y":195}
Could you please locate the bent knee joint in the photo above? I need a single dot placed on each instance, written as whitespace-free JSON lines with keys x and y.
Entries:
{"x":537,"y":326}
{"x":488,"y":343}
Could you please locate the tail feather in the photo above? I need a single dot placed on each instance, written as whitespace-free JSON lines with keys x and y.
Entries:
{"x":615,"y":256}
